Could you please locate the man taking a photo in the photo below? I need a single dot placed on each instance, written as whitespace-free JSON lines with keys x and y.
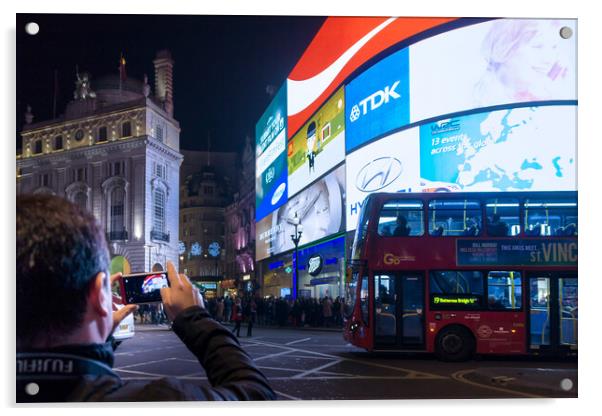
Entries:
{"x":65,"y":319}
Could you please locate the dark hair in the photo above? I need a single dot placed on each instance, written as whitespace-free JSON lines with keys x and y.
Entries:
{"x":60,"y":249}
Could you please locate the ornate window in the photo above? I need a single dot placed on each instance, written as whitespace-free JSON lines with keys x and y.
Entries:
{"x":126,"y":129}
{"x":101,"y":134}
{"x":37,"y":147}
{"x":159,"y":210}
{"x":58,"y":142}
{"x":79,"y":135}
{"x":115,"y":191}
{"x":81,"y":200}
{"x":117,"y":212}
{"x":78,"y":193}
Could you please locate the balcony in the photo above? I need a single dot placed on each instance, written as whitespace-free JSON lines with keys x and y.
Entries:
{"x":117,"y":235}
{"x":159,"y":236}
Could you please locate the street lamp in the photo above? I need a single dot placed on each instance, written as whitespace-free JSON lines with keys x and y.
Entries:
{"x":296,"y":237}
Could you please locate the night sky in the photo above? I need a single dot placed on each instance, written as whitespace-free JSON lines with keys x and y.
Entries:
{"x":223,"y":65}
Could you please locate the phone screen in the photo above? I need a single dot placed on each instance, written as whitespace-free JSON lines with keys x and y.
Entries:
{"x":144,"y":287}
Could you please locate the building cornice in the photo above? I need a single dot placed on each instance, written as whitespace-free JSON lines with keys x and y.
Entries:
{"x":89,"y":152}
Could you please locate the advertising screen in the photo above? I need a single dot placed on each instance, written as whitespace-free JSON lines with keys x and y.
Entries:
{"x":498,"y":62}
{"x":518,"y":149}
{"x":271,"y":173}
{"x":341,"y":46}
{"x":378,"y":100}
{"x":390,"y":164}
{"x":318,"y":146}
{"x":320,"y":212}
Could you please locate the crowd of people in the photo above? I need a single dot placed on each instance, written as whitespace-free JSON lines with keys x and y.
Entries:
{"x":271,"y":311}
{"x":268,"y":311}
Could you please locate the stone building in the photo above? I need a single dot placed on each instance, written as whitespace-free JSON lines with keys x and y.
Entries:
{"x":205,"y":190}
{"x":240,"y":227}
{"x":115,"y":152}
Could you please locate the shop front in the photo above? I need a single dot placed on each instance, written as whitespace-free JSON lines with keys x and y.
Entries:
{"x":276,"y":276}
{"x":229,"y":288}
{"x":322,"y":269}
{"x":208,"y":289}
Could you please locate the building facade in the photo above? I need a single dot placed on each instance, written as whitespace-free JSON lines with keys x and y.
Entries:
{"x":204,"y":193}
{"x":116,"y":153}
{"x":240,"y":228}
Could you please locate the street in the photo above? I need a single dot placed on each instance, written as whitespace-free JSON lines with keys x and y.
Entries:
{"x":320,"y":365}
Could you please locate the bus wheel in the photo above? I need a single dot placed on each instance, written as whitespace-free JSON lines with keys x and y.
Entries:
{"x":454,"y":343}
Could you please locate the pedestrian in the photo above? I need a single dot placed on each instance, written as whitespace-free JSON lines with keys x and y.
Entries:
{"x":227,"y":308}
{"x":64,"y":316}
{"x":219,"y":314}
{"x":336,"y":311}
{"x":251,"y":316}
{"x":327,"y":311}
{"x":237,"y":316}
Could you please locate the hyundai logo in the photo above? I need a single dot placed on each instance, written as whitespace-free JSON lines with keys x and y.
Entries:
{"x":378,"y":174}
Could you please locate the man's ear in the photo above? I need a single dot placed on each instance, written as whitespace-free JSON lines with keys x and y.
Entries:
{"x":98,"y":294}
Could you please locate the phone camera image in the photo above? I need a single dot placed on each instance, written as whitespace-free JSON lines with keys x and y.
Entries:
{"x":145,"y":287}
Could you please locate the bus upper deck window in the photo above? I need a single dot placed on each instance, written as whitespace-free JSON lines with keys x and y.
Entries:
{"x":401,"y":218}
{"x":550,"y":217}
{"x":454,"y":217}
{"x":502,"y":217}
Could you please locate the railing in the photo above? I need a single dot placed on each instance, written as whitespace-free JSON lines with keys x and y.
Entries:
{"x":117,"y":235}
{"x":159,"y":236}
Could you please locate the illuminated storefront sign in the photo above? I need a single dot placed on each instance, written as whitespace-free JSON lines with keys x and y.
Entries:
{"x":271,"y":168}
{"x":552,"y":252}
{"x":321,"y":270}
{"x":318,"y":146}
{"x":378,"y":100}
{"x":314,"y":264}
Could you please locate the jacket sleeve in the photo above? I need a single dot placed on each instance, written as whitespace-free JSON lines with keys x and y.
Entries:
{"x":230,"y":370}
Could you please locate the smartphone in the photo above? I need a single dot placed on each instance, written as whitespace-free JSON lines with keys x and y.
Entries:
{"x":143,"y":287}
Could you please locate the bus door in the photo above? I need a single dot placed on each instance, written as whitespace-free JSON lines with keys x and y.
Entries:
{"x":552,"y":312}
{"x":398,"y":310}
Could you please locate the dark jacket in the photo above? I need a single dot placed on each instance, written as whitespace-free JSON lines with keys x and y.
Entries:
{"x":84,"y":373}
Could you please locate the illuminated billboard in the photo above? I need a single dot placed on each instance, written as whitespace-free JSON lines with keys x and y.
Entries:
{"x":390,"y":164}
{"x":271,"y":169}
{"x":518,"y":149}
{"x":341,"y":46}
{"x":499,"y":62}
{"x":378,"y":100}
{"x":318,"y":146}
{"x":320,"y":212}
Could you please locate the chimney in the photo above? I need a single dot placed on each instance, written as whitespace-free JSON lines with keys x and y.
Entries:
{"x":164,"y":80}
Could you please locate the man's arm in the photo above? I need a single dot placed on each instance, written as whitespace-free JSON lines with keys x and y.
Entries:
{"x":229,"y":368}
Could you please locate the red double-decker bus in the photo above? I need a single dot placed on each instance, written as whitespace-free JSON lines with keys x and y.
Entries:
{"x":464,"y":273}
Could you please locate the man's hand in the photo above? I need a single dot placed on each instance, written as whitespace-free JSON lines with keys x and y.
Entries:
{"x":120,"y":314}
{"x":180,"y":295}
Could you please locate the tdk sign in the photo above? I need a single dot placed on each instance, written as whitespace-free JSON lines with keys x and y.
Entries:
{"x":374,"y":101}
{"x":378,"y":100}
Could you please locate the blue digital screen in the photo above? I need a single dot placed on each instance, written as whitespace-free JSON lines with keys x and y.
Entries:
{"x":378,"y":100}
{"x":271,"y":175}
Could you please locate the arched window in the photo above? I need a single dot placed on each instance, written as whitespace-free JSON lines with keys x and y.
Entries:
{"x":159,"y":211}
{"x":81,"y":200}
{"x":117,"y":212}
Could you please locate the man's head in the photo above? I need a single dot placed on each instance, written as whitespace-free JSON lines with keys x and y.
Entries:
{"x":63,"y":289}
{"x":401,"y":220}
